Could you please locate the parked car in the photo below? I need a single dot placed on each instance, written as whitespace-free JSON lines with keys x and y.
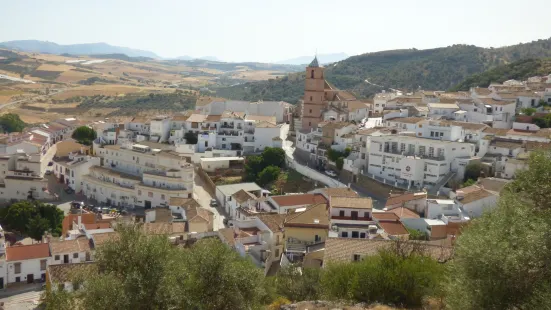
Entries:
{"x":69,"y":190}
{"x":225,"y":221}
{"x":213,"y":203}
{"x":330,"y":173}
{"x":48,"y":172}
{"x":77,"y":204}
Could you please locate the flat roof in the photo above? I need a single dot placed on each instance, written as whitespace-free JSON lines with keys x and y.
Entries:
{"x":222,"y":158}
{"x":231,"y":189}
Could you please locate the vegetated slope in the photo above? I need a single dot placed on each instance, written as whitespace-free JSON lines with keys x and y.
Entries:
{"x":74,"y":49}
{"x":518,"y":70}
{"x":439,"y":68}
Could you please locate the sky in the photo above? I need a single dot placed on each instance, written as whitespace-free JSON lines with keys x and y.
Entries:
{"x":269,"y":31}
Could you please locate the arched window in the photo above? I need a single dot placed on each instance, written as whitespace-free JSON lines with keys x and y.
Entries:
{"x":311,"y":98}
{"x":312,"y":74}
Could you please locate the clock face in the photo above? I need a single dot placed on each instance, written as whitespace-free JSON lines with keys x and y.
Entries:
{"x":408,"y":168}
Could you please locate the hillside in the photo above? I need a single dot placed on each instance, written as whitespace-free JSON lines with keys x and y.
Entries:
{"x":518,"y":70}
{"x":439,"y":68}
{"x":323,"y":59}
{"x":37,"y":46}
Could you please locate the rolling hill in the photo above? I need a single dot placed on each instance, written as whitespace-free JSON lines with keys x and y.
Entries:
{"x":431,"y":69}
{"x":518,"y":70}
{"x":37,"y":46}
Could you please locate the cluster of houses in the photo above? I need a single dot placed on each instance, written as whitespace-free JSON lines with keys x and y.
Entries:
{"x":425,"y":139}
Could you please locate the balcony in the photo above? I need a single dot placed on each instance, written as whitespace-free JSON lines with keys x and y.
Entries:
{"x":350,"y":218}
{"x":249,"y":131}
{"x":228,"y":133}
{"x":227,"y":125}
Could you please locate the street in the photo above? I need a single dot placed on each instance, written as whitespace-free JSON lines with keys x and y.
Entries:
{"x":203,"y":197}
{"x":26,"y":298}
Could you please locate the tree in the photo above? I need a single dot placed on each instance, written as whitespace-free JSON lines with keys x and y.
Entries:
{"x":11,"y":123}
{"x":37,"y":227}
{"x":191,"y":137}
{"x":528,"y":111}
{"x":298,"y":284}
{"x":139,"y":271}
{"x":339,"y":163}
{"x":268,"y":175}
{"x":415,"y":234}
{"x":472,"y":171}
{"x":32,"y":218}
{"x":84,"y":135}
{"x":499,"y":262}
{"x":253,"y":165}
{"x":273,"y":157}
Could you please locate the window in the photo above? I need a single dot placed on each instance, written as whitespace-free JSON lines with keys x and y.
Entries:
{"x":422,"y":150}
{"x":355,"y":234}
{"x":402,"y":147}
{"x":341,"y":213}
{"x":150,"y":194}
{"x":311,"y":100}
{"x":310,"y":110}
{"x":17,"y":268}
{"x":18,"y":279}
{"x":163,"y":196}
{"x":344,"y":234}
{"x":431,"y":151}
{"x":75,"y":255}
{"x":432,"y":133}
{"x":43,"y":264}
{"x":362,"y":235}
{"x":312,"y":74}
{"x":356,"y":257}
{"x":441,"y":134}
{"x":366,"y":214}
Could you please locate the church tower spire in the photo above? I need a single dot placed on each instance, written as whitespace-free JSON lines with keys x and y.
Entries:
{"x":314,"y":95}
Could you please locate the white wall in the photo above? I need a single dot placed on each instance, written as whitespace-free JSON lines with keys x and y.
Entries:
{"x":31,"y":266}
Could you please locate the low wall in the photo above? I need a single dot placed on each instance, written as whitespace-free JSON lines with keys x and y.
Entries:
{"x":208,"y":183}
{"x":318,"y":176}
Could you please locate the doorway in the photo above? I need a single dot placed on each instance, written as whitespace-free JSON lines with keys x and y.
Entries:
{"x":66,"y":258}
{"x":148,"y":204}
{"x":354,"y":215}
{"x":1,"y":283}
{"x":30,"y":278}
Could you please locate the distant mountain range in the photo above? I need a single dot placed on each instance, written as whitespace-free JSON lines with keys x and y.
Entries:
{"x":37,"y":46}
{"x":322,"y":58}
{"x":210,"y":58}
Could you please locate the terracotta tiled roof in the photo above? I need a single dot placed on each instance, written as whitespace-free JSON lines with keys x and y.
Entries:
{"x":80,"y":244}
{"x":243,"y":196}
{"x":344,"y":249}
{"x":473,"y":193}
{"x":405,"y":213}
{"x":491,"y":101}
{"x":466,"y":125}
{"x":100,"y":239}
{"x":87,"y":218}
{"x":232,"y":114}
{"x":339,"y":191}
{"x":197,"y":118}
{"x":213,"y":118}
{"x":261,"y":118}
{"x":24,"y":252}
{"x":351,"y":202}
{"x":164,"y":228}
{"x":482,"y":91}
{"x":393,"y":228}
{"x":495,"y":131}
{"x":299,"y":200}
{"x":407,"y":120}
{"x":533,"y":145}
{"x":400,"y":199}
{"x":273,"y":221}
{"x":196,"y":213}
{"x":63,"y":273}
{"x":507,"y":144}
{"x":265,"y":124}
{"x":315,"y":215}
{"x":228,"y":235}
{"x":385,"y":216}
{"x":182,"y":202}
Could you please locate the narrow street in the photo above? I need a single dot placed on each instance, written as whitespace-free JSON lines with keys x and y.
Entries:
{"x":203,"y":197}
{"x":26,"y":298}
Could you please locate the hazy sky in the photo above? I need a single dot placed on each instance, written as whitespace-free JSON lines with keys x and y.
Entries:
{"x":265,"y":30}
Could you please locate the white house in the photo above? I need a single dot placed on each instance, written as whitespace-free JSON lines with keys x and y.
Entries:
{"x":445,"y":110}
{"x":27,"y":263}
{"x":474,"y":200}
{"x":70,"y":251}
{"x":224,"y":192}
{"x":71,"y":169}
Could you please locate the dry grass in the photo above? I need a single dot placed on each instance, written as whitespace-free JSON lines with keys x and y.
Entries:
{"x":50,"y":67}
{"x":73,"y":76}
{"x":108,"y":90}
{"x":53,"y":106}
{"x":33,"y":117}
